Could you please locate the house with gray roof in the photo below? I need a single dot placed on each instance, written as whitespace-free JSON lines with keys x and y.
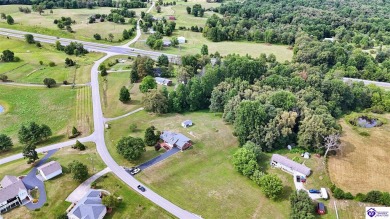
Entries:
{"x":163,"y":81}
{"x":89,"y":207}
{"x":289,"y":166}
{"x":50,"y":169}
{"x":13,"y":193}
{"x":178,"y":140}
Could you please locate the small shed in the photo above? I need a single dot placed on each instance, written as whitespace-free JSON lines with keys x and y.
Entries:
{"x":50,"y":170}
{"x":306,"y":155}
{"x":181,"y":39}
{"x":186,"y":123}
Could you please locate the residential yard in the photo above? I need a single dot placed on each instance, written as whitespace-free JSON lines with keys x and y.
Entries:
{"x":58,"y":188}
{"x":43,"y":24}
{"x":204,"y":172}
{"x":363,"y":163}
{"x":54,"y":107}
{"x":29,"y":69}
{"x":133,"y":205}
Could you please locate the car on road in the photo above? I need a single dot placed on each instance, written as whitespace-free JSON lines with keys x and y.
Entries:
{"x":134,"y":170}
{"x":314,"y":191}
{"x":141,"y":188}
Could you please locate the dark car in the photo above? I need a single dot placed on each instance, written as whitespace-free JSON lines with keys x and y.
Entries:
{"x":141,"y":188}
{"x":320,"y":208}
{"x":314,"y":191}
{"x":298,"y":178}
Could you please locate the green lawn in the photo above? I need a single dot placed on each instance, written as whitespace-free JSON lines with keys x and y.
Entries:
{"x":29,"y":70}
{"x":133,"y":205}
{"x":58,"y":188}
{"x":53,"y":107}
{"x":43,"y":24}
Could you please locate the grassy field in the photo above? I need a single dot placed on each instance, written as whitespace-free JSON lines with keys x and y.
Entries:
{"x":84,"y":117}
{"x":56,"y":203}
{"x":133,"y":205}
{"x":43,"y":24}
{"x":363,"y":162}
{"x":29,"y":70}
{"x":53,"y":107}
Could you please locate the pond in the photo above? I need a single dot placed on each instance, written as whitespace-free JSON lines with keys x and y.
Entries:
{"x":366,"y":122}
{"x":1,"y":109}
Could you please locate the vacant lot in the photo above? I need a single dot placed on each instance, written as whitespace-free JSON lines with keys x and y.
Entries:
{"x":43,"y":24}
{"x":29,"y":69}
{"x":53,"y":107}
{"x":363,"y":163}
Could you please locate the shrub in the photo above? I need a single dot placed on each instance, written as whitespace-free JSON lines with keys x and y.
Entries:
{"x":338,"y":193}
{"x":360,"y":197}
{"x":373,"y":197}
{"x":364,"y":133}
{"x":52,"y":64}
{"x":41,"y":62}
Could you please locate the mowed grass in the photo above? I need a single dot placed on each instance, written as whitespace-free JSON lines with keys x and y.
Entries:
{"x":43,"y":24}
{"x":362,"y":165}
{"x":202,"y":179}
{"x":58,"y":188}
{"x":29,"y":70}
{"x":53,"y":107}
{"x":132,"y":205}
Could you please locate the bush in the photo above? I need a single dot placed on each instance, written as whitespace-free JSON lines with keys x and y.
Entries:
{"x":348,"y":195}
{"x":52,"y":64}
{"x":133,"y":127}
{"x":373,"y":197}
{"x":338,"y":193}
{"x":364,"y":134}
{"x":40,"y":62}
{"x":65,"y":82}
{"x":360,"y":197}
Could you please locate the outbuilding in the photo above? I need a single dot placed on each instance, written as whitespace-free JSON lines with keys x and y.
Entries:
{"x":163,"y":81}
{"x":181,"y":40}
{"x":50,"y":170}
{"x":289,"y":166}
{"x":186,"y":123}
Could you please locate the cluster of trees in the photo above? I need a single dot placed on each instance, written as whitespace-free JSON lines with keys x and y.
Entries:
{"x":73,"y":4}
{"x":25,"y":10}
{"x":69,"y":62}
{"x":30,"y":135}
{"x":130,"y":148}
{"x":74,"y":48}
{"x":278,"y":22}
{"x":196,"y":10}
{"x":9,"y":56}
{"x":9,"y":18}
{"x":155,"y":41}
{"x":375,"y":197}
{"x":30,"y":40}
{"x":64,"y":22}
{"x":302,"y":205}
{"x":80,"y":146}
{"x":142,"y":67}
{"x":162,"y":26}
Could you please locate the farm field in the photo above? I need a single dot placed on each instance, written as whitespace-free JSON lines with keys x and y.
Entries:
{"x":43,"y":24}
{"x":54,"y":107}
{"x":29,"y":69}
{"x":363,"y":162}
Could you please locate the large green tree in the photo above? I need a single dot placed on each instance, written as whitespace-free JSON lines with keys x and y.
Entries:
{"x":5,"y":142}
{"x":155,"y":101}
{"x":271,"y":185}
{"x":147,"y":83}
{"x":30,"y":153}
{"x":130,"y":148}
{"x":124,"y":95}
{"x":8,"y":56}
{"x":302,"y":206}
{"x":33,"y":133}
{"x":29,"y":38}
{"x":150,"y":137}
{"x":245,"y":161}
{"x":79,"y":171}
{"x":110,"y":201}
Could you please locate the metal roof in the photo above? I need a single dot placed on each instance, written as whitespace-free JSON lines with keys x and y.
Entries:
{"x":8,"y":180}
{"x":291,"y":164}
{"x":173,"y":138}
{"x":11,"y":190}
{"x":50,"y":167}
{"x":90,"y":206}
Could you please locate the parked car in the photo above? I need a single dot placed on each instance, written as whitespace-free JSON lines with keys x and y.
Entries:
{"x":314,"y":191}
{"x":141,"y":188}
{"x":298,"y":178}
{"x":135,"y":170}
{"x":320,"y":208}
{"x":303,"y":179}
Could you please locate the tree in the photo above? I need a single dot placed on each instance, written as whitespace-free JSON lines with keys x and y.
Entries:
{"x":188,"y":10}
{"x":245,"y":161}
{"x":158,"y":9}
{"x":110,"y":201}
{"x":133,"y":127}
{"x":75,"y":132}
{"x":174,"y":41}
{"x":29,"y":38}
{"x":205,"y":50}
{"x":150,"y":137}
{"x":3,"y":78}
{"x":271,"y":185}
{"x":124,"y":95}
{"x":130,"y":148}
{"x":110,"y":37}
{"x":5,"y":142}
{"x":79,"y":171}
{"x":97,"y":36}
{"x":49,"y":82}
{"x":301,"y":205}
{"x":79,"y":146}
{"x":103,"y":72}
{"x":147,"y":83}
{"x":3,"y":16}
{"x":331,"y":143}
{"x":33,"y":133}
{"x":30,"y":153}
{"x":8,"y":56}
{"x":155,"y":101}
{"x":125,"y":34}
{"x":10,"y":20}
{"x":163,"y":60}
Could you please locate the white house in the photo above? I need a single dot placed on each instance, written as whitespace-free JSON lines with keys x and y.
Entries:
{"x":90,"y":206}
{"x":13,"y":193}
{"x":289,"y":166}
{"x":186,"y":123}
{"x":163,"y":81}
{"x":50,"y":170}
{"x":181,"y":40}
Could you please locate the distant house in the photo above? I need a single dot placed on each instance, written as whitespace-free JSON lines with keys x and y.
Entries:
{"x":186,"y":123}
{"x":172,"y":139}
{"x":289,"y":166}
{"x":157,"y":72}
{"x":181,"y":40}
{"x":90,"y":206}
{"x":172,"y":18}
{"x":167,"y":43}
{"x":163,"y":81}
{"x":50,"y":170}
{"x":13,"y":193}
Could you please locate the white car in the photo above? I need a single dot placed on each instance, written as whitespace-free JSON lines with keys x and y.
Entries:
{"x":135,"y":170}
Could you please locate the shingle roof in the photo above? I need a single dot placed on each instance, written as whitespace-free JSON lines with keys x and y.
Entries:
{"x":173,"y":138}
{"x":291,"y":164}
{"x":11,"y":190}
{"x":89,"y":207}
{"x":162,"y":80}
{"x":187,"y":122}
{"x":50,"y":167}
{"x":8,"y":180}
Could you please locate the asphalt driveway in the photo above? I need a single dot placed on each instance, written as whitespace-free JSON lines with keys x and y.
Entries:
{"x":31,"y":181}
{"x":159,"y":158}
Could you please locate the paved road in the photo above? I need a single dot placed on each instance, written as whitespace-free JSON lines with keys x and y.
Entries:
{"x":31,"y":181}
{"x":367,"y":82}
{"x":84,"y":187}
{"x":159,"y":158}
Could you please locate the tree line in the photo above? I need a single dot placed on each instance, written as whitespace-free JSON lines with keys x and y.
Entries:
{"x":73,"y":4}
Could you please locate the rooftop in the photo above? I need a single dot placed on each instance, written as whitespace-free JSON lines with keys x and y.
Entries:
{"x":89,"y":207}
{"x":8,"y":180}
{"x":292,"y":164}
{"x":11,"y":190}
{"x":174,"y":138}
{"x":50,"y":167}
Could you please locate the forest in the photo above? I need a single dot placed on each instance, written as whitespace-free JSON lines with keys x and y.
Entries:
{"x":279,"y":21}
